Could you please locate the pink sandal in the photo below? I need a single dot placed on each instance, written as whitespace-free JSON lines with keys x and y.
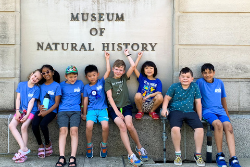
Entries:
{"x":49,"y":150}
{"x":20,"y":154}
{"x":41,"y":153}
{"x":22,"y":159}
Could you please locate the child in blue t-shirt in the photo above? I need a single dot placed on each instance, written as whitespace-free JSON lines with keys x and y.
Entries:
{"x":95,"y":106}
{"x":149,"y":94}
{"x":44,"y":116}
{"x":26,"y":106}
{"x":214,"y":110}
{"x":180,"y":99}
{"x":69,"y":113}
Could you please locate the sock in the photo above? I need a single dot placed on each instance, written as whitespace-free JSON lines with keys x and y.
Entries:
{"x":89,"y":144}
{"x":178,"y":153}
{"x":198,"y":155}
{"x":104,"y":144}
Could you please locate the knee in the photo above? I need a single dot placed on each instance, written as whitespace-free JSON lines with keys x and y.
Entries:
{"x":130,"y":127}
{"x":105,"y":128}
{"x":123,"y":127}
{"x":43,"y":126}
{"x":74,"y":132}
{"x":24,"y":128}
{"x":199,"y":131}
{"x":229,"y":128}
{"x":11,"y":126}
{"x":218,"y":126}
{"x":89,"y":127}
{"x":175,"y":130}
{"x":63,"y":131}
{"x":158,"y":98}
{"x":138,"y":96}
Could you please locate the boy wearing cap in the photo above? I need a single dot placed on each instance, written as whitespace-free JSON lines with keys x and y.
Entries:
{"x":69,"y":114}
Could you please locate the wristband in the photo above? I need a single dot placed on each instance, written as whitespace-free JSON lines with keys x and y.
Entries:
{"x":128,"y":55}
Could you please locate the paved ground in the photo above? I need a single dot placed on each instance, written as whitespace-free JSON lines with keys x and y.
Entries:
{"x":121,"y":161}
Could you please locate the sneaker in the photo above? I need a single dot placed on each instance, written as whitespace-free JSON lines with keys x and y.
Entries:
{"x":220,"y":160}
{"x":133,"y":160}
{"x":233,"y":162}
{"x":199,"y":161}
{"x":139,"y":115}
{"x":103,"y":152}
{"x":178,"y":160}
{"x":153,"y":115}
{"x":89,"y":153}
{"x":142,"y":153}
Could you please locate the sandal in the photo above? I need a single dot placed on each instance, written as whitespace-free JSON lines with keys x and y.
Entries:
{"x":48,"y":151}
{"x":20,"y":154}
{"x":60,"y":163}
{"x":72,"y":163}
{"x":21,"y":160}
{"x":41,"y":153}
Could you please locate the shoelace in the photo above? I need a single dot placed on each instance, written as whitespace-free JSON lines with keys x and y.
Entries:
{"x":200,"y":160}
{"x":178,"y":159}
{"x":134,"y":157}
{"x":235,"y":161}
{"x":143,"y":151}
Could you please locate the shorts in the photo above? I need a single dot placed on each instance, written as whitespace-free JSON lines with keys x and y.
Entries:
{"x":210,"y":118}
{"x":176,"y":118}
{"x":127,"y":110}
{"x":31,"y":116}
{"x":97,"y":115}
{"x":147,"y":106}
{"x":69,"y":119}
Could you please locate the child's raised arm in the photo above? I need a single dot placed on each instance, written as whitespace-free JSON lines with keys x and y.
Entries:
{"x":132,"y":64}
{"x":107,"y":55}
{"x":164,"y":111}
{"x":137,"y":73}
{"x":198,"y":107}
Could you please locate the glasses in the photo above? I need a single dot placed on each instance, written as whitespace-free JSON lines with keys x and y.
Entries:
{"x":47,"y":72}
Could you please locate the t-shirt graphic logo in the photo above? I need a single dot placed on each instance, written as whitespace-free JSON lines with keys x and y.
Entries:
{"x":30,"y":95}
{"x":51,"y":92}
{"x":217,"y":90}
{"x":99,"y":87}
{"x":77,"y":89}
{"x":119,"y":90}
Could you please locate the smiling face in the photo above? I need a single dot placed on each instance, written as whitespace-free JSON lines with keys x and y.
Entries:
{"x":35,"y":77}
{"x":71,"y":78}
{"x":149,"y":71}
{"x":208,"y":75}
{"x":118,"y":71}
{"x":47,"y":74}
{"x":185,"y":79}
{"x":92,"y":77}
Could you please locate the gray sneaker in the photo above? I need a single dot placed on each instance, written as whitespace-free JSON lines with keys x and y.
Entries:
{"x":178,"y":160}
{"x":199,"y":161}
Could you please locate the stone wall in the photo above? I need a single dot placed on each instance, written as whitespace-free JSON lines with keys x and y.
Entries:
{"x":215,"y":32}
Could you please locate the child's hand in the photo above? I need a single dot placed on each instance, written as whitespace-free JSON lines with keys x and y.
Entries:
{"x":126,"y":52}
{"x":41,"y":108}
{"x":17,"y":117}
{"x":164,"y":112}
{"x":119,"y":114}
{"x":107,"y":55}
{"x":83,"y":117}
{"x":145,"y":98}
{"x":140,"y":54}
{"x":24,"y":118}
{"x":42,"y":113}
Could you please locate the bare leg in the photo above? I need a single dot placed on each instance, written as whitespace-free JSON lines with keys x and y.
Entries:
{"x":24,"y":130}
{"x":176,"y":138}
{"x":105,"y":131}
{"x":62,"y":140}
{"x":218,"y":134}
{"x":158,"y":99}
{"x":74,"y":140}
{"x":124,"y":135}
{"x":132,"y":131}
{"x":198,"y":138}
{"x":138,"y":101}
{"x":89,"y":129}
{"x":230,"y":137}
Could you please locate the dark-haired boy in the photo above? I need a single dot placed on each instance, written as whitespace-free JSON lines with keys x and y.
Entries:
{"x":180,"y":99}
{"x":214,"y":110}
{"x":95,"y":106}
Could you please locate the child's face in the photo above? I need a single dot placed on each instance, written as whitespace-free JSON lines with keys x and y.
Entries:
{"x":208,"y":75}
{"x":71,"y":78}
{"x":92,"y":77}
{"x":186,"y":79}
{"x":35,"y":77}
{"x":149,"y":71}
{"x":47,"y":73}
{"x":118,"y":71}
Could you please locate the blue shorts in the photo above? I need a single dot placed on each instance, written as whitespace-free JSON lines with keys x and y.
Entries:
{"x":127,"y":110}
{"x":97,"y":115}
{"x":211,"y":117}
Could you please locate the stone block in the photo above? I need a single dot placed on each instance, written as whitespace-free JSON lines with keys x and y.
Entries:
{"x":4,"y":133}
{"x":7,"y":95}
{"x":228,"y":62}
{"x":7,"y":5}
{"x":214,"y":29}
{"x":214,"y":6}
{"x":7,"y":62}
{"x":7,"y":28}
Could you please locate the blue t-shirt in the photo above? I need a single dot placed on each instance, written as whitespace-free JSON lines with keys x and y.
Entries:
{"x":211,"y":94}
{"x":147,"y":86}
{"x":26,"y":94}
{"x":71,"y":96}
{"x":183,"y":99}
{"x":96,"y":95}
{"x":53,"y":90}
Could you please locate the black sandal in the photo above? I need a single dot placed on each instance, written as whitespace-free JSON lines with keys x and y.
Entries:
{"x":72,"y":163}
{"x":60,"y":163}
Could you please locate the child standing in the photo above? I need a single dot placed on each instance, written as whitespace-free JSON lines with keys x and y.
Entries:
{"x":69,"y":114}
{"x":44,"y":116}
{"x":26,"y":103}
{"x":148,"y":97}
{"x":120,"y":109}
{"x":180,"y":99}
{"x":95,"y":105}
{"x":214,"y":110}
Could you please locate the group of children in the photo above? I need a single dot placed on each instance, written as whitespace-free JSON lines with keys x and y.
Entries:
{"x":76,"y":101}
